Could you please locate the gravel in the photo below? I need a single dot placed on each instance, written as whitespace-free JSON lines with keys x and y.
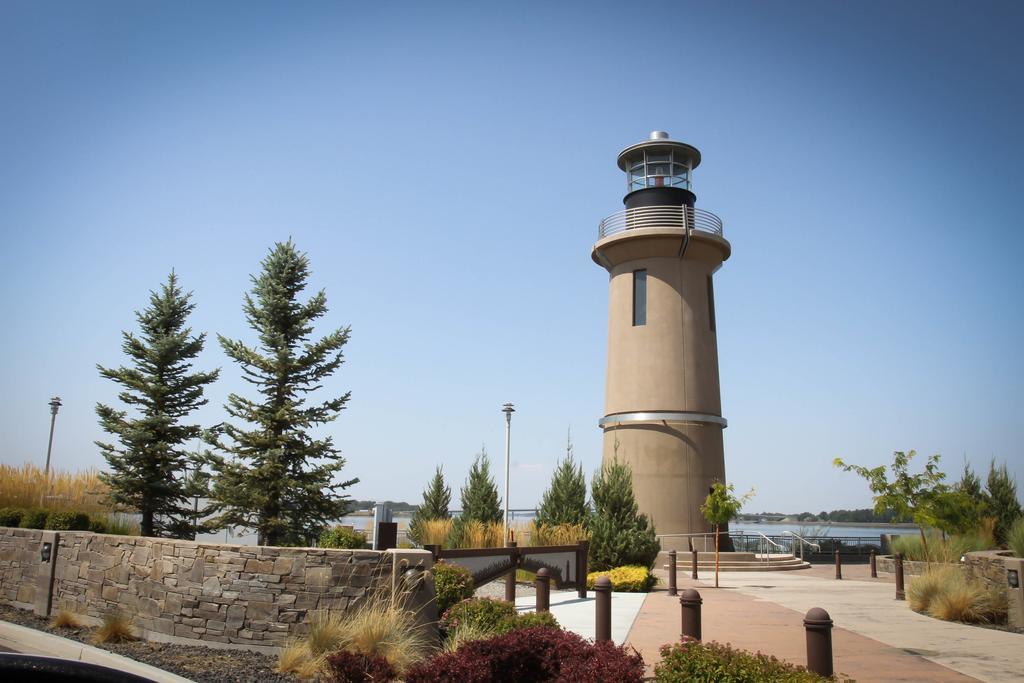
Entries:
{"x":496,"y":589}
{"x":201,"y":664}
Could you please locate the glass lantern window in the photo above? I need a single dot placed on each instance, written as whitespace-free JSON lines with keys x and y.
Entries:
{"x":658,"y":170}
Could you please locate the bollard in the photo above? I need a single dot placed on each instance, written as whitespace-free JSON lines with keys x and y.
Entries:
{"x":510,"y":578}
{"x":689,"y":608}
{"x":603,"y":607}
{"x":839,"y":566}
{"x":818,"y":625}
{"x":672,"y":590}
{"x":694,"y":569}
{"x":543,"y":586}
{"x":874,"y":567}
{"x":900,"y":593}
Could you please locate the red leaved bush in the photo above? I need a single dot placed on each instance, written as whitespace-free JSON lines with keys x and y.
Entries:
{"x":353,"y":667}
{"x":532,"y":655}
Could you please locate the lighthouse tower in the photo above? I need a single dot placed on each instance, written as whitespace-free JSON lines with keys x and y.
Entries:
{"x":663,"y":408}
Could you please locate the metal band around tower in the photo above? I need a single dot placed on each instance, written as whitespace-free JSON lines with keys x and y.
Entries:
{"x":639,"y":418}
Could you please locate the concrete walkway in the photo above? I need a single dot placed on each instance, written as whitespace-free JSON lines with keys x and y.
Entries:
{"x":876,"y":637}
{"x":578,"y":614}
{"x":30,"y":641}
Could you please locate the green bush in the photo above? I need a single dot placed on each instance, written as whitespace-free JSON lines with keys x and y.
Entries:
{"x":629,"y":579}
{"x":529,"y":620}
{"x":10,"y":516}
{"x":1015,"y":539}
{"x":452,"y":583}
{"x":343,"y":537}
{"x":692,"y":660}
{"x":67,"y":521}
{"x":482,"y":613}
{"x":620,"y":534}
{"x":97,"y":525}
{"x":33,"y":519}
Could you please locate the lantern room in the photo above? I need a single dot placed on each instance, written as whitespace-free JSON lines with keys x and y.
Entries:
{"x":658,"y":172}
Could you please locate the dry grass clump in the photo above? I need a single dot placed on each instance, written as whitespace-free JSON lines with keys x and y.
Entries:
{"x":25,"y":487}
{"x":924,"y":588}
{"x":466,"y":633}
{"x":380,"y":626}
{"x":435,"y":531}
{"x":476,"y":534}
{"x":558,"y":534}
{"x":65,"y":619}
{"x":945,"y":593}
{"x":116,"y":628}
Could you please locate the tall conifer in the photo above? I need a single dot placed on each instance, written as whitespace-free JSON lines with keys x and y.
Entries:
{"x":437,"y":499}
{"x":148,"y":468}
{"x":1002,"y":503}
{"x":279,"y":479}
{"x":620,"y":533}
{"x":480,"y":499}
{"x":565,"y":501}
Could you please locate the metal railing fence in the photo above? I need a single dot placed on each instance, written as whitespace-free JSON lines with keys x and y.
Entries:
{"x":677,"y":217}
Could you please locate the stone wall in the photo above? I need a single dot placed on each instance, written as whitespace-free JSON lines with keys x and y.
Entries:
{"x":242,"y":595}
{"x":19,"y":563}
{"x":987,"y":566}
{"x":886,"y":564}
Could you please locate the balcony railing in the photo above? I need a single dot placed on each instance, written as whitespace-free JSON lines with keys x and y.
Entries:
{"x":679,"y":217}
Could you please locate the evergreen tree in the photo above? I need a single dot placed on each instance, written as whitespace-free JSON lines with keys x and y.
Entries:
{"x":437,"y":499}
{"x":1002,"y":503}
{"x":280,"y":480}
{"x":620,"y":534}
{"x":480,"y":500}
{"x":970,"y":484}
{"x":147,"y":469}
{"x":565,"y":501}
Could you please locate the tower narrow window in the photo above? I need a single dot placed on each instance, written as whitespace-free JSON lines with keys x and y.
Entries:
{"x":639,"y":297}
{"x":711,"y":303}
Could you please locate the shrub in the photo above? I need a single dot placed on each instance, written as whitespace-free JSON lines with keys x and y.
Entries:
{"x":532,"y":654}
{"x":33,"y":518}
{"x":692,"y":660}
{"x":630,"y":579}
{"x":343,"y":537}
{"x":97,"y":526}
{"x":1015,"y":538}
{"x":483,"y":613}
{"x":10,"y":516}
{"x":463,"y":634}
{"x":384,"y":626}
{"x":353,"y":667}
{"x":116,"y":628}
{"x":67,"y":521}
{"x":923,"y":589}
{"x":946,"y":551}
{"x":452,"y":583}
{"x":120,"y":524}
{"x":962,"y":599}
{"x":530,"y":620}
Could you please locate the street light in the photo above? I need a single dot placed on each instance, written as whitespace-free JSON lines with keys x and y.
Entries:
{"x":508,"y":410}
{"x":54,"y":407}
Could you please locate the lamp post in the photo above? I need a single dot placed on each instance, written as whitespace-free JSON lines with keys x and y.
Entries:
{"x":54,"y":407}
{"x":508,"y":410}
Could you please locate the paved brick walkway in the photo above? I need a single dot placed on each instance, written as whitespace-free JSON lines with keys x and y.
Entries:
{"x":754,"y":623}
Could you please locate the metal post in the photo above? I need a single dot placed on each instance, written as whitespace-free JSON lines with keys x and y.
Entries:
{"x":508,"y":410}
{"x":818,"y":625}
{"x":689,"y":608}
{"x":582,"y":553}
{"x":543,"y":588}
{"x":839,"y":566}
{"x":900,"y":593}
{"x":510,"y":578}
{"x":672,"y":573}
{"x":603,"y":609}
{"x":55,"y":405}
{"x":694,"y":567}
{"x":874,"y":566}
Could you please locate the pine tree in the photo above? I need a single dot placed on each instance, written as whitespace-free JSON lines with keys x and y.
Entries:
{"x":565,"y":501}
{"x":480,"y":500}
{"x":1002,"y":503}
{"x":437,"y":499}
{"x":280,"y":480}
{"x":147,"y":471}
{"x":620,"y":534}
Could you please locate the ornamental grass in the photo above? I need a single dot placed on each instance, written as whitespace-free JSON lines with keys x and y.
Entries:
{"x":26,"y":487}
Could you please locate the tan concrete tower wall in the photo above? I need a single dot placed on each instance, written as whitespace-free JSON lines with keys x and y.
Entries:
{"x":670,"y":364}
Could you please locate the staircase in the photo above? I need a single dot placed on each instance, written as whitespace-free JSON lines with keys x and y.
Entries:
{"x":734,"y":562}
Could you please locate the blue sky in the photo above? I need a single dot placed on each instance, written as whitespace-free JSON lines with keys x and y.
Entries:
{"x":445,"y":166}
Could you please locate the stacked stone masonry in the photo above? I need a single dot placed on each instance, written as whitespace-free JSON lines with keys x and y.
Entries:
{"x":180,"y":589}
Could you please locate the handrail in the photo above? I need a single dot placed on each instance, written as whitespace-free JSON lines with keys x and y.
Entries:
{"x":814,"y":546}
{"x":672,"y":217}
